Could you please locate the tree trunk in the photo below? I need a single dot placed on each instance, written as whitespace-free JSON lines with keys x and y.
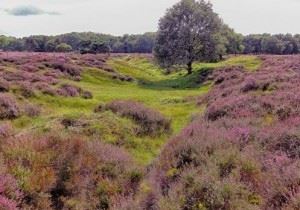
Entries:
{"x":189,"y":67}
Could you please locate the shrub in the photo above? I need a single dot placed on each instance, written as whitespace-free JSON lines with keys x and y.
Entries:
{"x":8,"y":107}
{"x":27,"y":90}
{"x":249,"y":85}
{"x":150,"y":121}
{"x":61,"y":173}
{"x":87,"y":95}
{"x":32,"y":110}
{"x":69,"y":90}
{"x":4,"y":85}
{"x":290,"y":144}
{"x":10,"y":195}
{"x":100,"y":108}
{"x":46,"y":89}
{"x":29,"y":68}
{"x":5,"y":130}
{"x":14,"y":76}
{"x":67,"y":69}
{"x":63,"y":47}
{"x":71,"y":121}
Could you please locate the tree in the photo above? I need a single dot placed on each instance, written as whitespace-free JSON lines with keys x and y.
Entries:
{"x":188,"y":32}
{"x":144,"y":43}
{"x":271,"y":45}
{"x":233,"y":41}
{"x":252,"y":44}
{"x":63,"y":47}
{"x":35,"y":43}
{"x":99,"y":48}
{"x":3,"y":42}
{"x":51,"y":45}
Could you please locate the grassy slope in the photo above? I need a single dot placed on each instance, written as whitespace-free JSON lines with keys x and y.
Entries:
{"x":165,"y":93}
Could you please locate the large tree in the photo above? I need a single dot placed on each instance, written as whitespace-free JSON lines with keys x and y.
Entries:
{"x":190,"y":31}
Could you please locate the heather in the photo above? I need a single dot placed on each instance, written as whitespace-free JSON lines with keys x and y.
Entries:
{"x":150,"y":121}
{"x":8,"y":107}
{"x":41,"y":72}
{"x":242,"y":153}
{"x":84,"y":131}
{"x":56,"y":173}
{"x":194,"y":116}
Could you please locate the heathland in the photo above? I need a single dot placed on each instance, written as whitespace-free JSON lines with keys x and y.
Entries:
{"x":92,"y":131}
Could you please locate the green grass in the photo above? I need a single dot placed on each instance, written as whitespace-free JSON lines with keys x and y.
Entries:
{"x":154,"y":88}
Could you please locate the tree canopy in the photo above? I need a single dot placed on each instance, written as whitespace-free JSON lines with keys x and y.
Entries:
{"x":189,"y":31}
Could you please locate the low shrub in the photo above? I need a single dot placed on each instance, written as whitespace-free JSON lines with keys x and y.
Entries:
{"x":6,"y":130}
{"x":14,"y":76}
{"x":72,"y":121}
{"x":8,"y":107}
{"x":100,"y":108}
{"x":26,"y":90}
{"x":150,"y":121}
{"x":32,"y":110}
{"x":10,"y":195}
{"x":29,"y":68}
{"x":69,"y":90}
{"x":69,"y":173}
{"x":68,"y":69}
{"x":249,"y":85}
{"x":4,"y":85}
{"x":290,"y":144}
{"x":87,"y":95}
{"x":46,"y":89}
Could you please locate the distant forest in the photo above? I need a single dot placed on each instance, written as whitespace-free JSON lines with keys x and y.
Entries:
{"x":89,"y":42}
{"x":86,"y":42}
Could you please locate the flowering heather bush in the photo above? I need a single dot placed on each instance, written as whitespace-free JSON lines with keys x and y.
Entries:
{"x":69,"y":173}
{"x":45,"y":89}
{"x":42,"y":71}
{"x":32,"y":110}
{"x":14,"y":76}
{"x":10,"y":195}
{"x":26,"y":90}
{"x":29,"y":68}
{"x":8,"y":107}
{"x":67,"y":69}
{"x":150,"y":121}
{"x":5,"y":130}
{"x":4,"y":85}
{"x":69,"y":90}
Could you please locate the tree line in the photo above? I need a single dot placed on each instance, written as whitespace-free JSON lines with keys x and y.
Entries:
{"x":281,"y":44}
{"x":87,"y":42}
{"x":233,"y":43}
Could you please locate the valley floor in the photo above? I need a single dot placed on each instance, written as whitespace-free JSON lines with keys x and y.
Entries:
{"x":171,"y":94}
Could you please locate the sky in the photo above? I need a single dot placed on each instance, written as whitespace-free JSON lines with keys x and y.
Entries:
{"x":49,"y":17}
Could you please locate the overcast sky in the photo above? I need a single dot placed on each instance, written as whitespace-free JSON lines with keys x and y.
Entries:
{"x":28,"y":17}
